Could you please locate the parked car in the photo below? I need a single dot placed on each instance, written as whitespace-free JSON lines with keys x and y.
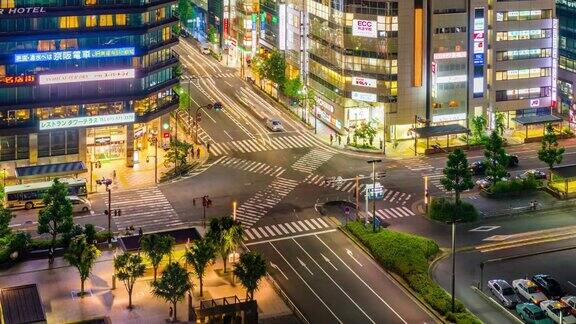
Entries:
{"x":549,"y":286}
{"x":570,"y":301}
{"x":274,"y":124}
{"x":502,"y":290}
{"x":537,"y":174}
{"x":532,"y":314}
{"x":557,"y":310}
{"x":80,"y":204}
{"x":205,"y":49}
{"x":478,"y":168}
{"x":529,"y":290}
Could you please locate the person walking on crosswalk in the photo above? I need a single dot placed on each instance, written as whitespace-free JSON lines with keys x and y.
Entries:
{"x":331,"y":138}
{"x":208,"y":147}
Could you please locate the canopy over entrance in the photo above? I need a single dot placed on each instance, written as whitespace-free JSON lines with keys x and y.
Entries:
{"x":563,"y":180}
{"x":428,"y":132}
{"x":50,"y":170}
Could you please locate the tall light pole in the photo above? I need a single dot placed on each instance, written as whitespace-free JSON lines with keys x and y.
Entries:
{"x":453,"y":262}
{"x":107,"y":183}
{"x":154,"y":141}
{"x":234,"y":210}
{"x":374,"y":191}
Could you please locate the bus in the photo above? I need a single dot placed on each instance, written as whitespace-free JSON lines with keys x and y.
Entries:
{"x":29,"y":195}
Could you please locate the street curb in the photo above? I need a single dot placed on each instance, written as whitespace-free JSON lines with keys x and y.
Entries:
{"x":398,"y":280}
{"x":497,"y":305}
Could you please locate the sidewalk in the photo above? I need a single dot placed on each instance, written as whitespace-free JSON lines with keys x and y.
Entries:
{"x":58,"y":284}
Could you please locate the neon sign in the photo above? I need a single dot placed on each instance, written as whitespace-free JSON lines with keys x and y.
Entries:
{"x":86,"y":76}
{"x":74,"y":55}
{"x":88,"y":121}
{"x":478,"y":41}
{"x":17,"y":80}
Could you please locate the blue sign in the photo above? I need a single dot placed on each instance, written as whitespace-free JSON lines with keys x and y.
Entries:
{"x":479,"y":59}
{"x":74,"y":55}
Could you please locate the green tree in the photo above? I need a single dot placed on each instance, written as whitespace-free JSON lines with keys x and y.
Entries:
{"x":128,"y":268}
{"x":177,"y":153}
{"x":550,"y":153}
{"x":200,"y":255}
{"x":226,"y":234}
{"x":257,"y":66}
{"x":293,"y":88}
{"x":496,"y":157}
{"x":499,"y":123}
{"x":479,"y":124}
{"x":56,"y":217}
{"x":457,"y":174}
{"x":82,"y":255}
{"x":213,"y":35}
{"x":172,"y":285}
{"x":5,"y":217}
{"x":156,"y":247}
{"x":275,"y":68}
{"x":250,"y":269}
{"x":184,"y":11}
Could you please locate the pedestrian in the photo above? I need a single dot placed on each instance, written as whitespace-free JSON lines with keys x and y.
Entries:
{"x":339,"y":140}
{"x":140,"y":232}
{"x":171,"y":312}
{"x":198,"y":153}
{"x":208,"y":147}
{"x":114,"y":174}
{"x":331,"y":138}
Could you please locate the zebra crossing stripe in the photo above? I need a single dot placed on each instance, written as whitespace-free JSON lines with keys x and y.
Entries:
{"x":314,"y":222}
{"x":263,"y":232}
{"x":269,"y":230}
{"x":407,"y":210}
{"x":303,"y":225}
{"x":296,"y":226}
{"x":250,"y":235}
{"x":276,"y":229}
{"x":308,"y":223}
{"x":283,"y":228}
{"x":290,"y":228}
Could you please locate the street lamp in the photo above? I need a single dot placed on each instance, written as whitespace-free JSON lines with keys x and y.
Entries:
{"x":454,"y":262}
{"x":154,"y":141}
{"x":107,"y":183}
{"x":373,"y":162}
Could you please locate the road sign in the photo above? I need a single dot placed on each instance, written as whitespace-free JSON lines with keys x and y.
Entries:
{"x":374,"y":191}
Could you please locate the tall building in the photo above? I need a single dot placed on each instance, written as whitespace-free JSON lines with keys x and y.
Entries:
{"x":86,"y":80}
{"x":566,"y":12}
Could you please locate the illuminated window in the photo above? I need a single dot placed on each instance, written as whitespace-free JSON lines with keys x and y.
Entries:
{"x":6,"y":3}
{"x":89,"y":2}
{"x":453,"y":104}
{"x":2,"y":70}
{"x":46,"y":45}
{"x":105,"y":21}
{"x":121,"y":20}
{"x":68,"y":44}
{"x":68,"y":22}
{"x":166,"y":34}
{"x":91,"y":21}
{"x":160,"y":14}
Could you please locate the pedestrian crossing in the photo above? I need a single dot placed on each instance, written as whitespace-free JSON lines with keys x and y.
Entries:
{"x":262,"y":144}
{"x":350,"y":185}
{"x":224,"y":75}
{"x":286,"y":229}
{"x":251,"y":166}
{"x":417,"y":164}
{"x":147,"y":208}
{"x":198,"y":170}
{"x":312,"y":160}
{"x":392,"y":213}
{"x":264,"y":200}
{"x":187,"y":123}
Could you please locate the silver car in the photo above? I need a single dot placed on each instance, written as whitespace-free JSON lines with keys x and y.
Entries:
{"x":503,"y":292}
{"x":274,"y":125}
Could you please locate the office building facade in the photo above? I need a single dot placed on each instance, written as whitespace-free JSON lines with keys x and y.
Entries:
{"x":566,"y":13}
{"x":84,"y":80}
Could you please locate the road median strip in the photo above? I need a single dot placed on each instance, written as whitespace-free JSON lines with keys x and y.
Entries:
{"x":530,"y":238}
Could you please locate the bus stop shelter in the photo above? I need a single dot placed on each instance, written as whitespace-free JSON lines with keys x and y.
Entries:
{"x":534,"y":122}
{"x":428,"y":132}
{"x":563,"y":181}
{"x":49,"y":171}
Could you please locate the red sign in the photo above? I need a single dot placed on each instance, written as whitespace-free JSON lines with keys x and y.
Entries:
{"x":166,"y":135}
{"x":17,"y":80}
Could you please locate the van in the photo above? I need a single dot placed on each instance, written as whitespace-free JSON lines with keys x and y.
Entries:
{"x":80,"y":204}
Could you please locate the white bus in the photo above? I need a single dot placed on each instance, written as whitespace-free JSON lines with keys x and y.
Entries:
{"x":29,"y":195}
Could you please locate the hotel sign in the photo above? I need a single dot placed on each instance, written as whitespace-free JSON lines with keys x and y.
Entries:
{"x":89,"y":121}
{"x":17,"y":80}
{"x":21,"y":11}
{"x":86,"y":76}
{"x":74,"y":55}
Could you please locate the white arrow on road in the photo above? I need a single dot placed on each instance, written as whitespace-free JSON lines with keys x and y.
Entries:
{"x":304,"y":265}
{"x":275,"y":266}
{"x":328,"y":260}
{"x":353,"y":258}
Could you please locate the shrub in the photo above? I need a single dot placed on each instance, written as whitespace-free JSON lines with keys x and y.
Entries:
{"x":408,"y":256}
{"x":445,"y":210}
{"x":514,"y":186}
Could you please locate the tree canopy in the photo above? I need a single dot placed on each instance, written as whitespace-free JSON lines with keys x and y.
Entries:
{"x":457,"y":174}
{"x":250,"y":270}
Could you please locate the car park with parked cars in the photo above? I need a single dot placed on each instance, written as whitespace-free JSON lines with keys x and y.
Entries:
{"x":529,"y":290}
{"x":502,"y":290}
{"x":570,"y":301}
{"x":558,"y":311}
{"x":536,"y":174}
{"x":532,"y":314}
{"x":478,"y":168}
{"x":548,"y":285}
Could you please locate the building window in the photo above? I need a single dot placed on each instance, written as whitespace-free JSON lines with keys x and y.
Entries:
{"x":91,"y":21}
{"x":523,"y":34}
{"x":90,"y":2}
{"x":57,"y":143}
{"x":68,"y":44}
{"x":121,"y":20}
{"x":106,"y":21}
{"x":46,"y":45}
{"x":166,"y":34}
{"x":522,"y":74}
{"x":7,"y":4}
{"x":68,"y":22}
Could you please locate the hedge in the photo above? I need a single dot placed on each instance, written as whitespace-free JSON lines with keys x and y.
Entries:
{"x":409,"y":256}
{"x":445,"y":210}
{"x":514,"y":186}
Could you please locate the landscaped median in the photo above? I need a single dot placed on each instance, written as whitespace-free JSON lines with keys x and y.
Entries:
{"x":409,"y":256}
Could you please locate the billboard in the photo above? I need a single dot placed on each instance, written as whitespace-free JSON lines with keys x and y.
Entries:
{"x":74,"y":55}
{"x":364,"y":82}
{"x":363,"y":96}
{"x":478,"y":45}
{"x":86,"y":76}
{"x":364,"y":28}
{"x":88,"y":121}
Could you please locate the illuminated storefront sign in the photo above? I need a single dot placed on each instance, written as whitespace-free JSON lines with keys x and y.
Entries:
{"x":534,"y":103}
{"x":364,"y":28}
{"x":478,"y":40}
{"x":74,"y":55}
{"x":449,"y":55}
{"x":364,"y":82}
{"x":86,"y":76}
{"x":89,"y":121}
{"x":22,"y":11}
{"x":447,"y":118}
{"x":17,"y":80}
{"x":363,"y":96}
{"x":451,"y":79}
{"x":555,"y":63}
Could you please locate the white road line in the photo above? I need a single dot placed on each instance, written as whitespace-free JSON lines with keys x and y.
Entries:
{"x":307,"y":221}
{"x":303,"y":225}
{"x":290,"y":228}
{"x":321,"y":221}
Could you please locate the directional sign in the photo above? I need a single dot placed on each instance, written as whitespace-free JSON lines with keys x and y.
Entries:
{"x":352,"y":256}
{"x":304,"y":265}
{"x":328,"y":261}
{"x":275,"y":266}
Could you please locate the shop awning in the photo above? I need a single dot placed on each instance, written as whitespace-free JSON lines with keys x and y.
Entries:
{"x":537,"y":120}
{"x":440,"y":130}
{"x":51,"y":170}
{"x":566,"y":171}
{"x":22,"y":304}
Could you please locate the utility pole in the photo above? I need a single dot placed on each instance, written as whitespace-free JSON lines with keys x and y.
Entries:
{"x":374,"y":191}
{"x":107,"y":183}
{"x":154,"y":141}
{"x":453,"y":263}
{"x":357,"y":195}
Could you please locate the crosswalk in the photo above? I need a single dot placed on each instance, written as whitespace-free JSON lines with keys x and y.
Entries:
{"x":186,"y":122}
{"x":224,"y":75}
{"x":261,"y":145}
{"x":312,"y":160}
{"x":264,"y":200}
{"x":252,"y":166}
{"x":286,"y":229}
{"x":391,"y":213}
{"x":417,"y":164}
{"x":349,"y":186}
{"x":147,"y":208}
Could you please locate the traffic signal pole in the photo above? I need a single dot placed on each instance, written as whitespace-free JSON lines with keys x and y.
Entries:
{"x":109,"y":214}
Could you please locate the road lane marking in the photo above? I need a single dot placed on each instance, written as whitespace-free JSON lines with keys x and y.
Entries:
{"x":333,"y":281}
{"x":484,"y":228}
{"x":328,"y":261}
{"x":353,"y":258}
{"x":307,"y":285}
{"x":291,"y":237}
{"x":362,"y":280}
{"x":275,"y":266}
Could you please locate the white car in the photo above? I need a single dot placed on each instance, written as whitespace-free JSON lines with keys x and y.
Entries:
{"x":205,"y":49}
{"x":79,"y":204}
{"x":553,"y":308}
{"x":274,"y":125}
{"x":570,"y":301}
{"x":529,"y":290}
